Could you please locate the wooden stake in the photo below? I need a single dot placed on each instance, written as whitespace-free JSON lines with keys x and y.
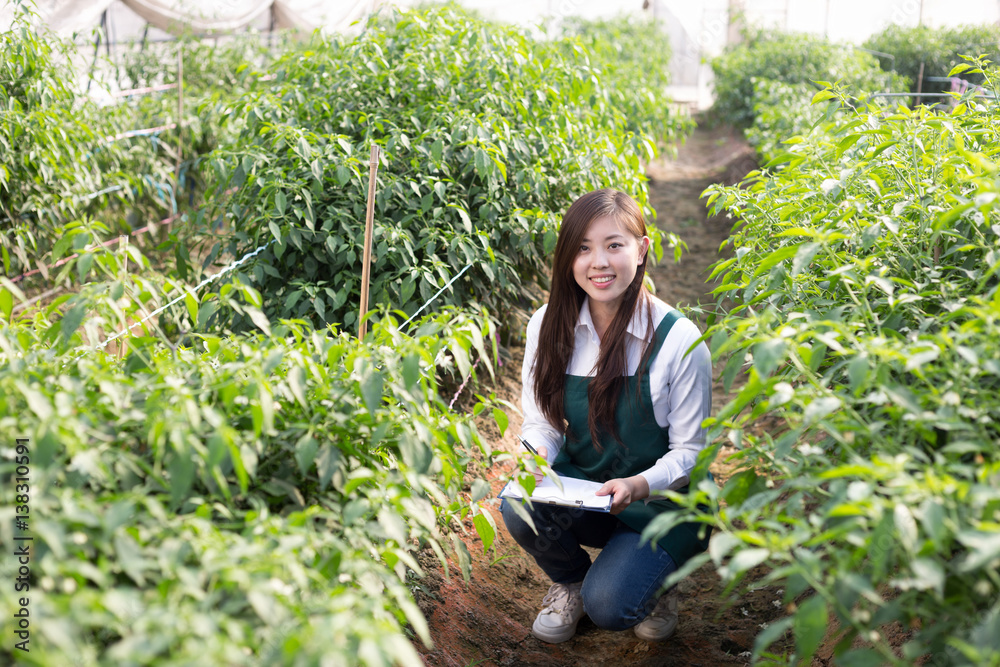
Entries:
{"x":366,"y":260}
{"x":123,"y":243}
{"x":920,"y":83}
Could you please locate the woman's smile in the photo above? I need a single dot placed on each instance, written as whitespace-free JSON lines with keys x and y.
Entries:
{"x":602,"y":282}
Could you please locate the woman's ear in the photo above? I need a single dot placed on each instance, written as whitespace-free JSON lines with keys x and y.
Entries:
{"x":643,"y":248}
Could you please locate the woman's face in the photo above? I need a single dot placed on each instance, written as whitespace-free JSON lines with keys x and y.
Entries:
{"x":606,"y":261}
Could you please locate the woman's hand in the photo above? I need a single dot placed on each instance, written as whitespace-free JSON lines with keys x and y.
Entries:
{"x":544,"y":453}
{"x":624,"y":491}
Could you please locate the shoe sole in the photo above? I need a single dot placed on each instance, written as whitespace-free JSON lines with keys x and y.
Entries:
{"x":553,"y":638}
{"x":649,"y":637}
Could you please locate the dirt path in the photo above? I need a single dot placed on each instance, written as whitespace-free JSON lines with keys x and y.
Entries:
{"x":488,"y":622}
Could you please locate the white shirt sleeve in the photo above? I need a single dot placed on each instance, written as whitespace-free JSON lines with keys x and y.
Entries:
{"x":681,"y":389}
{"x":535,"y":428}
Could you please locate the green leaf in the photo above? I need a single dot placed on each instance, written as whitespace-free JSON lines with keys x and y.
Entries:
{"x":6,"y":304}
{"x":959,"y":68}
{"x":804,"y":256}
{"x":517,"y":507}
{"x":463,"y":557}
{"x":746,"y":559}
{"x":861,"y":657}
{"x":767,"y":355}
{"x":371,"y":391}
{"x":487,"y":532}
{"x":740,"y":486}
{"x":181,"y":476}
{"x":823,"y":95}
{"x":480,"y":489}
{"x":259,"y":319}
{"x":810,"y":627}
{"x":280,"y":202}
{"x":83,"y":264}
{"x":71,"y":320}
{"x":305,"y":452}
{"x":297,"y":384}
{"x":482,"y":163}
{"x":326,"y":465}
{"x":275,"y":230}
{"x":501,"y":420}
{"x":191,"y":303}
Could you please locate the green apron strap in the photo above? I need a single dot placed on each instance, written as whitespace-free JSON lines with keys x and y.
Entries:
{"x":660,"y":335}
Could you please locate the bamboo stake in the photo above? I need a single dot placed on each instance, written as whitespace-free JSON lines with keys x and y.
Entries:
{"x":366,"y":260}
{"x":123,"y":243}
{"x":920,"y":83}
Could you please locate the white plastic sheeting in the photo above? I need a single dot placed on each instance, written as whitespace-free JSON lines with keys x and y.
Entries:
{"x":63,"y":16}
{"x":202,"y":17}
{"x":199,"y":16}
{"x":311,"y":14}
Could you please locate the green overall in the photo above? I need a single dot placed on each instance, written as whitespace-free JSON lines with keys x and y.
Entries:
{"x":643,"y":443}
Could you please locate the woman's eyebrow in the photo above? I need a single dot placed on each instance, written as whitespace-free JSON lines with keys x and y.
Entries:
{"x":606,"y":238}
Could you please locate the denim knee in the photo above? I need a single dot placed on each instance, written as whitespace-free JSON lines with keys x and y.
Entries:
{"x":604,"y":606}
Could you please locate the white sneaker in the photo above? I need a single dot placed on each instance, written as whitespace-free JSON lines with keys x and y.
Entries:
{"x":662,"y":621}
{"x":562,"y":610}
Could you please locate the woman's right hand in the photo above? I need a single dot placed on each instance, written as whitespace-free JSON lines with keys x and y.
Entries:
{"x":544,"y":453}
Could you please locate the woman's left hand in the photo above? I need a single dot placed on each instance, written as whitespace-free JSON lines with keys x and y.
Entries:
{"x":624,"y":491}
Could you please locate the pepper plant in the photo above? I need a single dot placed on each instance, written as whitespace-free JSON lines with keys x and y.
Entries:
{"x":865,"y":313}
{"x":486,"y":133}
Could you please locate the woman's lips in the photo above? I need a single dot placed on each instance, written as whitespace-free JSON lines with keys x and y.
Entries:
{"x":603,"y":284}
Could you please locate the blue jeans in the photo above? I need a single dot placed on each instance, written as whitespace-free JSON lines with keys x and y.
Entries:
{"x":621,"y":586}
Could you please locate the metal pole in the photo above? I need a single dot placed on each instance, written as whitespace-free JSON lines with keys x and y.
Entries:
{"x":180,"y":106}
{"x":97,"y":50}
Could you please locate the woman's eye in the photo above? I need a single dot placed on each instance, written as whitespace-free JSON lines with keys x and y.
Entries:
{"x":583,"y":248}
{"x":614,"y":246}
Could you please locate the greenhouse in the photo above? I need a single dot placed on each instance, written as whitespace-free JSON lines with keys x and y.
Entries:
{"x":566,"y":332}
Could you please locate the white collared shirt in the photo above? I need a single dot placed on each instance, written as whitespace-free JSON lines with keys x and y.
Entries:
{"x":680,"y":386}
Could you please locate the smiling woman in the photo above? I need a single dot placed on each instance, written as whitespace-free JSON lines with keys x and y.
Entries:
{"x":610,"y":394}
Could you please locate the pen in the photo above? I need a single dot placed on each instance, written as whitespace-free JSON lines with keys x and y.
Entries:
{"x":528,"y":445}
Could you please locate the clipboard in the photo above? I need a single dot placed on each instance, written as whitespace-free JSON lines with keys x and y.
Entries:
{"x":578,"y":493}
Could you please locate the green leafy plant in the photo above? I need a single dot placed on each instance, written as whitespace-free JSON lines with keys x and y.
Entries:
{"x":866,"y":317}
{"x":66,"y":158}
{"x":486,"y":133}
{"x":270,"y":491}
{"x":771,"y":58}
{"x":937,"y":49}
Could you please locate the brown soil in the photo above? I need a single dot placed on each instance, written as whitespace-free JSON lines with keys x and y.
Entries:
{"x":488,"y":621}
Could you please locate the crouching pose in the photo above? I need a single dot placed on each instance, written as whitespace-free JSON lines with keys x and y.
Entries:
{"x":610,"y":394}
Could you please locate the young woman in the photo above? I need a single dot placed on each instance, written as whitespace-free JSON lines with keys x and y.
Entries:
{"x":611,"y":394}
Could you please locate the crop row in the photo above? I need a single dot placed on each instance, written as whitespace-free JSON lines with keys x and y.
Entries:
{"x":864,"y":311}
{"x":200,"y":496}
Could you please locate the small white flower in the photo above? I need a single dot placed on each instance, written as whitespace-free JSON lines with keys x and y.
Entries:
{"x":776,"y":603}
{"x":744,"y":611}
{"x":810,"y":450}
{"x":763,"y":626}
